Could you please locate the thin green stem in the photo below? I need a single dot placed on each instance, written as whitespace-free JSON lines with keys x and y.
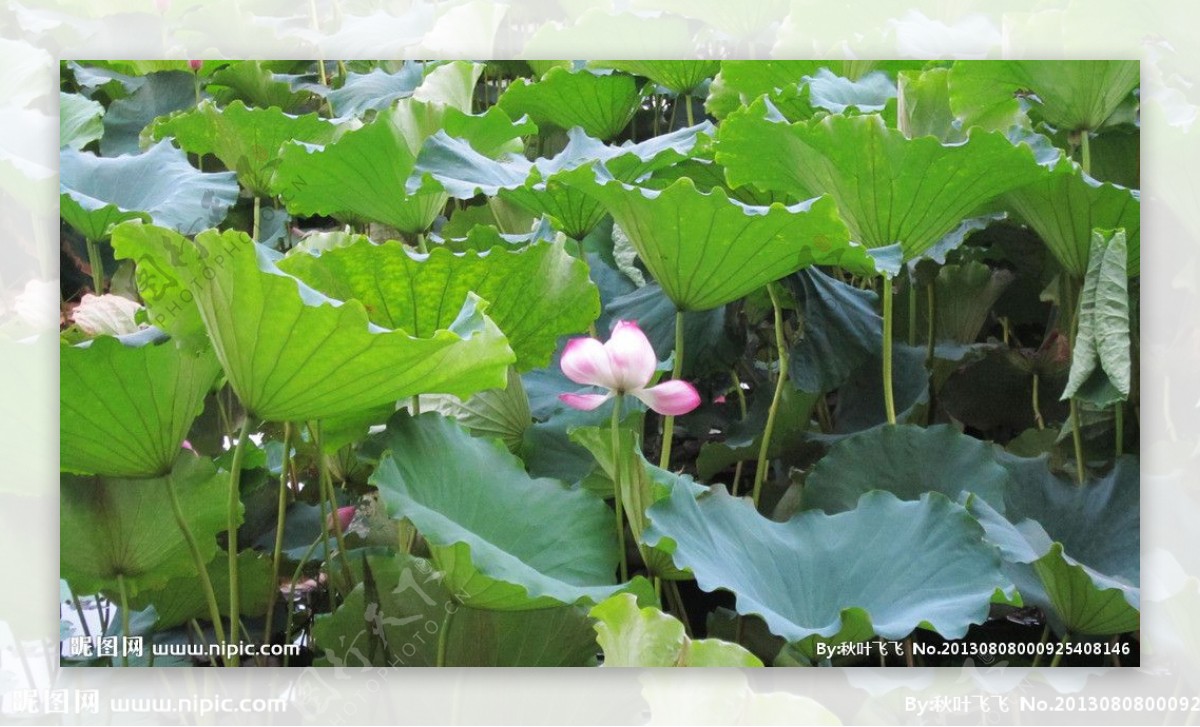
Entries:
{"x":687,"y":105}
{"x":889,"y":401}
{"x":1037,"y":658}
{"x":444,"y":637}
{"x":741,"y":397}
{"x":676,"y":599}
{"x":617,"y":506}
{"x":287,"y":628}
{"x":333,"y":522}
{"x":912,"y":313}
{"x":1066,"y":639}
{"x":760,"y":472}
{"x":254,"y":230}
{"x":664,"y":458}
{"x":415,"y":406}
{"x":87,"y":630}
{"x":124,"y":617}
{"x":1037,"y":409}
{"x":421,"y":246}
{"x":280,"y":517}
{"x":210,"y":594}
{"x":96,"y":263}
{"x":931,"y":331}
{"x":102,"y":612}
{"x":1085,"y":146}
{"x":235,"y":499}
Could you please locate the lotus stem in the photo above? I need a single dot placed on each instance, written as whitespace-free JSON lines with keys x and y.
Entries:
{"x":96,"y":263}
{"x":931,"y":330}
{"x":287,"y":628}
{"x":87,"y":630}
{"x":676,"y":599}
{"x":444,"y":636}
{"x":1086,"y":155}
{"x":889,"y":402}
{"x":254,"y":229}
{"x":687,"y":105}
{"x":617,"y":507}
{"x":1058,"y":655}
{"x":664,"y":458}
{"x":760,"y":472}
{"x":1119,"y":423}
{"x":235,"y":482}
{"x":280,"y":516}
{"x":210,"y":595}
{"x":1037,"y":658}
{"x":741,"y":396}
{"x":1037,"y":409}
{"x":124,"y":618}
{"x":912,"y":313}
{"x":332,"y":522}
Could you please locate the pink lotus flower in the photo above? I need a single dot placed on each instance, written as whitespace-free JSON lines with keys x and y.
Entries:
{"x":623,"y":365}
{"x":345,"y":516}
{"x":195,"y":65}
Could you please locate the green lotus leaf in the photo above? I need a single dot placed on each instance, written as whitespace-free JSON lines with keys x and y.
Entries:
{"x":1072,"y":551}
{"x":837,"y":576}
{"x":1069,"y":95}
{"x":888,"y":188}
{"x":245,"y":139}
{"x":114,"y":527}
{"x":841,"y":331}
{"x":182,"y":599}
{"x":647,"y":637}
{"x":923,"y":106}
{"x":397,"y":615}
{"x":374,"y":91}
{"x":127,"y":405}
{"x":499,"y":413}
{"x":1064,"y":205}
{"x":293,"y":354}
{"x":255,"y":84}
{"x":504,"y":540}
{"x":907,"y":461}
{"x":80,"y":120}
{"x":362,"y":175}
{"x":535,"y":185}
{"x":681,"y":77}
{"x":535,"y":294}
{"x":741,"y":82}
{"x":692,"y":258}
{"x":602,"y":104}
{"x":965,"y":295}
{"x":162,"y":279}
{"x":1101,"y":360}
{"x":154,"y":95}
{"x":158,"y":186}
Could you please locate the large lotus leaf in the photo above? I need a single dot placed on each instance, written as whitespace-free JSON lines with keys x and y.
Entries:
{"x":160,"y":185}
{"x":505,"y":541}
{"x":907,"y":461}
{"x":841,"y":331}
{"x":1064,"y":205}
{"x":536,"y":293}
{"x":111,"y":527}
{"x":157,"y":94}
{"x":362,"y":175}
{"x":161,"y":279}
{"x":965,"y":296}
{"x":740,"y":82}
{"x":465,"y":172}
{"x":681,"y":76}
{"x":374,"y":91}
{"x":182,"y":599}
{"x":79,"y":120}
{"x":246,"y":140}
{"x":647,"y":637}
{"x":255,"y":84}
{"x":1072,"y":551}
{"x":1100,"y":362}
{"x":499,"y":413}
{"x":706,"y":250}
{"x":923,"y":105}
{"x":126,"y":406}
{"x":886,"y":567}
{"x":396,"y":617}
{"x":889,"y":189}
{"x":602,"y":104}
{"x":293,"y":354}
{"x":1069,"y":95}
